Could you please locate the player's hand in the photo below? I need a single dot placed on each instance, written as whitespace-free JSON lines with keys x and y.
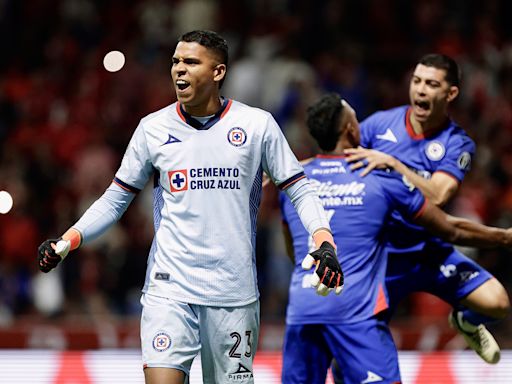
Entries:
{"x":51,"y":252}
{"x":328,"y":275}
{"x":369,"y":159}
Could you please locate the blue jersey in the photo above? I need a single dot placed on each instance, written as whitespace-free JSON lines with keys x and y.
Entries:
{"x":357,"y":208}
{"x":449,"y":150}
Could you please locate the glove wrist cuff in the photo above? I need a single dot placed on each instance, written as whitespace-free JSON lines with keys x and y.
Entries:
{"x":74,"y":237}
{"x":322,"y":235}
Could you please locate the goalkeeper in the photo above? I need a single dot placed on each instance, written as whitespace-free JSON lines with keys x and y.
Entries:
{"x":206,"y":155}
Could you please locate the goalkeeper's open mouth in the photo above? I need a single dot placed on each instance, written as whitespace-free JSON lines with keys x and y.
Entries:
{"x":182,"y":85}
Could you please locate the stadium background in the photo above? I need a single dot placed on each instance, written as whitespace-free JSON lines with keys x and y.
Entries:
{"x":65,"y":122}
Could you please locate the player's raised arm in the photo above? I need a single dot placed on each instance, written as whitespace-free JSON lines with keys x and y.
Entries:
{"x":461,"y":231}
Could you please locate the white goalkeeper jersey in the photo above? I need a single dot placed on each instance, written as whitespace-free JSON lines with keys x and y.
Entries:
{"x":208,"y":184}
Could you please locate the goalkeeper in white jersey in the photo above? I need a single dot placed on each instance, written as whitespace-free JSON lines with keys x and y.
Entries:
{"x":207,"y":155}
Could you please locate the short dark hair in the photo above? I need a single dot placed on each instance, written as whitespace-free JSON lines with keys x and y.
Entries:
{"x":212,"y":41}
{"x":440,"y":61}
{"x":323,"y":120}
{"x":208,"y":39}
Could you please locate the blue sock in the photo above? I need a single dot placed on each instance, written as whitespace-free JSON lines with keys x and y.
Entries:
{"x":476,"y":318}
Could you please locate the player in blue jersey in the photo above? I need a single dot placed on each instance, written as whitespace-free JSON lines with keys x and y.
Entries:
{"x":351,"y":327}
{"x":207,"y":155}
{"x":422,"y":143}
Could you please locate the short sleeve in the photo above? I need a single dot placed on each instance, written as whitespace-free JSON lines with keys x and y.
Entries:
{"x":278,"y":160}
{"x":136,"y":166}
{"x":458,"y":157}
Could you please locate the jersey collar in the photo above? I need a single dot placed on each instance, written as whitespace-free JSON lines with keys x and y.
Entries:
{"x":421,"y":136}
{"x":187,"y":118}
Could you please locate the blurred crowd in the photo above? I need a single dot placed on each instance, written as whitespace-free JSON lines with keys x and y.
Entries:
{"x":65,"y":121}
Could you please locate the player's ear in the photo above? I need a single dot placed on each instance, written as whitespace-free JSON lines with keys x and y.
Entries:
{"x":453,"y":92}
{"x":219,"y":71}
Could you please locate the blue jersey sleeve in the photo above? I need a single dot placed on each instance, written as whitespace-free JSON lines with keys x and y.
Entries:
{"x":459,"y":154}
{"x":402,"y":195}
{"x":368,"y":127}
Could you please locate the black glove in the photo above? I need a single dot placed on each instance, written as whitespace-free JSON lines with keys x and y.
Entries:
{"x":328,"y":274}
{"x":47,"y":259}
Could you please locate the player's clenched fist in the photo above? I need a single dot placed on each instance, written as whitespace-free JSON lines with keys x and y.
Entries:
{"x":328,"y":275}
{"x":51,"y":252}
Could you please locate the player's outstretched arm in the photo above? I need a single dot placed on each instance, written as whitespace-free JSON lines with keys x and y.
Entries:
{"x":439,"y":189}
{"x":102,"y":214}
{"x":462,"y":231}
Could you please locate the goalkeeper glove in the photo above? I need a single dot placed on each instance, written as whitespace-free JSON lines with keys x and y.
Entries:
{"x":328,"y":275}
{"x":51,"y":252}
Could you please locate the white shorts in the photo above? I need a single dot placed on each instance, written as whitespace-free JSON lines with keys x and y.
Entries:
{"x":173,"y":333}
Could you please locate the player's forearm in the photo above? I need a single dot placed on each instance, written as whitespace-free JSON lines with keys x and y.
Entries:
{"x":103,"y":213}
{"x":309,"y":207}
{"x":474,"y":234}
{"x":427,"y":187}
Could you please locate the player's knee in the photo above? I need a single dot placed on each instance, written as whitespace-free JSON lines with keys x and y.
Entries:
{"x":500,"y":302}
{"x":502,"y":307}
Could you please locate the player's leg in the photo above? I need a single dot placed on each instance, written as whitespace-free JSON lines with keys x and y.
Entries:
{"x":404,"y":275}
{"x":489,"y":299}
{"x":478,"y":299}
{"x":229,"y":338}
{"x":306,"y":355}
{"x":164,"y":375}
{"x":364,"y":351}
{"x":169,"y":340}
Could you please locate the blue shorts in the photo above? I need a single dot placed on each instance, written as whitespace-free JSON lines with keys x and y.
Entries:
{"x":443,"y":272}
{"x":364,"y":351}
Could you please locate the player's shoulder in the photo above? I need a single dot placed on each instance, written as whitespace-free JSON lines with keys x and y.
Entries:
{"x":246,"y":110}
{"x":458,"y":134}
{"x":384,"y":118}
{"x":158,"y":116}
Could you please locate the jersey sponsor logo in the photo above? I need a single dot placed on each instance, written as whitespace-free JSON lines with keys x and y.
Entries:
{"x":171,"y":140}
{"x":339,"y":194}
{"x":329,"y":170}
{"x":162,"y":276}
{"x":435,"y":150}
{"x":178,"y":180}
{"x":161,"y":342}
{"x":448,"y":270}
{"x":237,"y":136}
{"x":204,"y":178}
{"x":388,"y":136}
{"x":464,"y":161}
{"x":465,"y":276}
{"x":372,"y":378}
{"x":241,"y":374}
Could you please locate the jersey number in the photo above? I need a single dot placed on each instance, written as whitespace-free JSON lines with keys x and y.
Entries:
{"x":238,"y":339}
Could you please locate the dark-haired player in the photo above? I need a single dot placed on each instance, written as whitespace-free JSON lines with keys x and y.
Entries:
{"x":422,"y":143}
{"x":206,"y":155}
{"x":352,"y":327}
